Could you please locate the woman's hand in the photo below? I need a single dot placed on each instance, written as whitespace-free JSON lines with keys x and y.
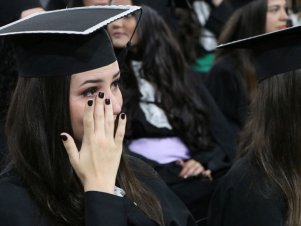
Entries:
{"x":97,"y":162}
{"x":191,"y":168}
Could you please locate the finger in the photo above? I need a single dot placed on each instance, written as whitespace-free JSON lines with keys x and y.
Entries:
{"x":195,"y":170}
{"x":88,"y":119}
{"x":190,"y":168}
{"x":185,"y":168}
{"x":71,"y":148}
{"x":198,"y":171}
{"x":207,"y":173}
{"x":184,"y":171}
{"x":109,"y":118}
{"x":99,"y":113}
{"x":119,"y":135}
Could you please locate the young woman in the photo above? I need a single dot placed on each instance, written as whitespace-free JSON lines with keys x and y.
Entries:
{"x":263,"y":187}
{"x":173,"y":122}
{"x":232,"y":79}
{"x":65,"y":132}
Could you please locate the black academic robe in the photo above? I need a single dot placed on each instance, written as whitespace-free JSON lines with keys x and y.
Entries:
{"x":101,"y":209}
{"x":227,"y":87}
{"x":2,"y":143}
{"x":195,"y":192}
{"x":242,"y":199}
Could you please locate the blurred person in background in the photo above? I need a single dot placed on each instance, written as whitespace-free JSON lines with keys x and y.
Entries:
{"x":173,"y":122}
{"x":232,"y":80}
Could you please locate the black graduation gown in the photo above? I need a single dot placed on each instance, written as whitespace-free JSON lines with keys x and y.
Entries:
{"x":2,"y":143}
{"x":241,"y":199}
{"x":195,"y":192}
{"x":227,"y":87}
{"x":101,"y":209}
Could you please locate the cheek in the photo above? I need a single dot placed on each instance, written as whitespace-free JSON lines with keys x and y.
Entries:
{"x":89,"y":2}
{"x":270,"y":21}
{"x":76,"y":116}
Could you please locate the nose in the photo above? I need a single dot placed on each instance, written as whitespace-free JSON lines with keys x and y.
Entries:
{"x":117,"y":23}
{"x":284,"y":15}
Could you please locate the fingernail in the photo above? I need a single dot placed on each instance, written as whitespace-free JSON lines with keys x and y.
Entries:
{"x":185,"y":177}
{"x":122,"y":116}
{"x":107,"y":101}
{"x":90,"y":103}
{"x":64,"y":137}
{"x":101,"y":95}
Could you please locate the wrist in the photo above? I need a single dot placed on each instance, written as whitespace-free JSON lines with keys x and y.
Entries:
{"x":95,"y":185}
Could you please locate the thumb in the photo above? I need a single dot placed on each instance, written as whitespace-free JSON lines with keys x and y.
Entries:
{"x":71,"y":148}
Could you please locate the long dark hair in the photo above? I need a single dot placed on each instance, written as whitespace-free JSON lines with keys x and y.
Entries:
{"x":38,"y":113}
{"x":272,"y":138}
{"x":164,"y":66}
{"x":245,"y":22}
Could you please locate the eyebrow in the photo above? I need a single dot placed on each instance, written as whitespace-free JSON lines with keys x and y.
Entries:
{"x":99,"y":80}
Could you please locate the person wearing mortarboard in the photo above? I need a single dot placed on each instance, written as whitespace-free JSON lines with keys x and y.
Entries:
{"x":263,"y":186}
{"x":65,"y":131}
{"x":232,"y":79}
{"x":163,"y":7}
{"x":173,"y":122}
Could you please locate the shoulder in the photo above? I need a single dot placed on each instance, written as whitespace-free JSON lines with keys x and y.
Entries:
{"x":237,"y":179}
{"x":224,"y":67}
{"x":241,"y":199}
{"x":12,"y":187}
{"x":16,"y":205}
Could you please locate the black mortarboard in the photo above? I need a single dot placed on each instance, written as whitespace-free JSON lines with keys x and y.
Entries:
{"x":274,"y":53}
{"x":64,"y":42}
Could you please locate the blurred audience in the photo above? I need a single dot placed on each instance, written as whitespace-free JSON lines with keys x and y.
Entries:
{"x":173,"y":122}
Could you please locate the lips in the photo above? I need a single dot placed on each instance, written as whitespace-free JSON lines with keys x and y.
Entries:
{"x":118,"y":34}
{"x":282,"y":27}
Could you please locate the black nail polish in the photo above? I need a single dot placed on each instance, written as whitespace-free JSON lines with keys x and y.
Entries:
{"x":122,"y":116}
{"x":101,"y":95}
{"x":107,"y":101}
{"x":90,"y":103}
{"x":64,"y":137}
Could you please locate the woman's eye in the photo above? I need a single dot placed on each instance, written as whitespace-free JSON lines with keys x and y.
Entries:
{"x":274,"y":9}
{"x":116,"y":83}
{"x":129,"y":15}
{"x":89,"y":92}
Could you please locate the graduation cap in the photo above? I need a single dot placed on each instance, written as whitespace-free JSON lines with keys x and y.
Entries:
{"x":64,"y":42}
{"x":274,"y":53}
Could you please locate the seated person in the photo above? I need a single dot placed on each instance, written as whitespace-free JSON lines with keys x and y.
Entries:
{"x":173,"y":123}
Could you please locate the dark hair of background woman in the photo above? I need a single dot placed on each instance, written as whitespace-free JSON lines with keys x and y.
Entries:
{"x":164,"y":67}
{"x":38,"y":113}
{"x":245,"y":22}
{"x":272,"y":137}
